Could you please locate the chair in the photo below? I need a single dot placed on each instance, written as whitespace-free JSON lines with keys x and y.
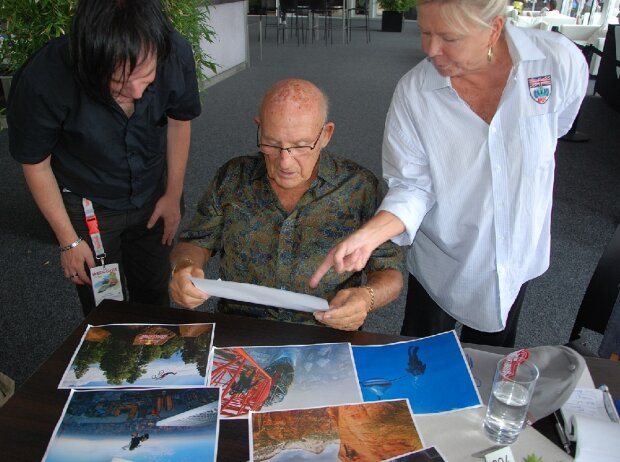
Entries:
{"x":588,"y":50}
{"x":579,"y":33}
{"x":289,"y":9}
{"x":600,"y":297}
{"x":334,"y":6}
{"x":268,"y":10}
{"x":362,"y":7}
{"x":303,"y":11}
{"x":608,"y":78}
{"x":319,"y":8}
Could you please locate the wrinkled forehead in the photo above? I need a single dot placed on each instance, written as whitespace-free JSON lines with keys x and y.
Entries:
{"x":296,"y":97}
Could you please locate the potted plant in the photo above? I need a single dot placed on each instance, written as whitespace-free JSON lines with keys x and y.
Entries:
{"x":393,"y":11}
{"x":28,"y":24}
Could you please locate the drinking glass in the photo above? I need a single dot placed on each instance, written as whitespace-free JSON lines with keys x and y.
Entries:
{"x":511,"y":394}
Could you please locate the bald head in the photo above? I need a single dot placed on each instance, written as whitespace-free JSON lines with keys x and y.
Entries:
{"x":296,"y":97}
{"x":293,"y":115}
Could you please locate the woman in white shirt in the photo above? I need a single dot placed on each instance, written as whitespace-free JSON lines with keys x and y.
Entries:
{"x":468,"y":154}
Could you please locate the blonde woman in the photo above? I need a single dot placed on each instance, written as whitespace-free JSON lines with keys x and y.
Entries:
{"x":468,"y":154}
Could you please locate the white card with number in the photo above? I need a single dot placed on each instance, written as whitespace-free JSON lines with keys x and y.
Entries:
{"x":106,"y":282}
{"x":503,"y":454}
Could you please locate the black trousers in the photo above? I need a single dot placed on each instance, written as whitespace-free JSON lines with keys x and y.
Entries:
{"x":424,"y":317}
{"x":144,"y":262}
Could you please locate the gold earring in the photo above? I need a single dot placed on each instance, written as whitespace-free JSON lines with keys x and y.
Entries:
{"x":490,"y":54}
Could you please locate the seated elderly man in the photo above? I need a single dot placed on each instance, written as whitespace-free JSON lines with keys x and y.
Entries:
{"x":273,"y":216}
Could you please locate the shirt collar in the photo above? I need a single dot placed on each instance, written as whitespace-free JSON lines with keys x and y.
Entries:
{"x":327,"y":168}
{"x":521,"y":48}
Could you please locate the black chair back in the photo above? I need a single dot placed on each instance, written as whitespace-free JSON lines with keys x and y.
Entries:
{"x":288,"y":6}
{"x":318,"y":6}
{"x":602,"y":292}
{"x":267,"y":5}
{"x":607,"y":81}
{"x":334,"y":4}
{"x":361,"y":7}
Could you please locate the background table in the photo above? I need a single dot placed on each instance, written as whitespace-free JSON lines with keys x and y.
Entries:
{"x":28,"y":420}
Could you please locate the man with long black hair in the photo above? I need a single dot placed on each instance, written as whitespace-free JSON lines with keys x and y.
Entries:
{"x":100,"y":120}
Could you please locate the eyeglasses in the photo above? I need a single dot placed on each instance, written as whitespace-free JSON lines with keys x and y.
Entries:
{"x":293,"y":151}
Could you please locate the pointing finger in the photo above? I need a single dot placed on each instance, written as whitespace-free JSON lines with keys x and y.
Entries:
{"x":321,"y":270}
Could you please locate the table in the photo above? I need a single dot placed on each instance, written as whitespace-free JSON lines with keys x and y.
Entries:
{"x":28,"y":420}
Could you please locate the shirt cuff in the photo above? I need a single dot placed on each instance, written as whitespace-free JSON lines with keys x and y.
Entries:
{"x":410,"y":212}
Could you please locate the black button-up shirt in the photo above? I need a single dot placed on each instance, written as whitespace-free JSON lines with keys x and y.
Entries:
{"x":97,"y":151}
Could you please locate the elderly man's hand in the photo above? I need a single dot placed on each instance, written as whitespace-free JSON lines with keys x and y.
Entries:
{"x":347,"y":310}
{"x":183,"y":291}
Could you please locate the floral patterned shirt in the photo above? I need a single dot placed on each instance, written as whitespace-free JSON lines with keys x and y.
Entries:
{"x":259,"y":242}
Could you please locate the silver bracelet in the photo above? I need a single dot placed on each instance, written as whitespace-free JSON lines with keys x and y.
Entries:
{"x":72,"y":245}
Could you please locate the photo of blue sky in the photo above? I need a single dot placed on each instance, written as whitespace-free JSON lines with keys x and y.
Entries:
{"x":297,"y":376}
{"x":431,"y":372}
{"x":137,"y":425}
{"x":141,"y":355}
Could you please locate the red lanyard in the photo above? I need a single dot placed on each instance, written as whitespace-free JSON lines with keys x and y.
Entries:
{"x":93,"y":230}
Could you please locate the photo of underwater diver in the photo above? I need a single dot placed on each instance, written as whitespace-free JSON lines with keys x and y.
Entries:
{"x":431,"y":372}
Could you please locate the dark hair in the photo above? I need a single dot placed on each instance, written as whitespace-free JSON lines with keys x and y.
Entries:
{"x":106,"y":34}
{"x":553,"y":4}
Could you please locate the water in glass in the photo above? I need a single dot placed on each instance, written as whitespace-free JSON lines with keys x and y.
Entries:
{"x":506,"y":412}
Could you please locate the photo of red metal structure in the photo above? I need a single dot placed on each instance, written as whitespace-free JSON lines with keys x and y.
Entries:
{"x":245,"y":385}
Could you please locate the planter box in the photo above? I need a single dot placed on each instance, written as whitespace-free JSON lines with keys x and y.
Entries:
{"x":5,"y":87}
{"x":392,"y":21}
{"x":412,"y":14}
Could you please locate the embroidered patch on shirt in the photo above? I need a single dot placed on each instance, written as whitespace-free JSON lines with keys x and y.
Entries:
{"x":540,"y":88}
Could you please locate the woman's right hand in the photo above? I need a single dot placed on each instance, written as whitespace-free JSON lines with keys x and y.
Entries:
{"x":352,"y":253}
{"x":349,"y":255}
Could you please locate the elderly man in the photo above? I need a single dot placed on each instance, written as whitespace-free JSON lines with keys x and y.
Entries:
{"x":274,"y":215}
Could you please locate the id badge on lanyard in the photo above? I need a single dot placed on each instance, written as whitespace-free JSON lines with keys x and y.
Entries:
{"x":106,"y":279}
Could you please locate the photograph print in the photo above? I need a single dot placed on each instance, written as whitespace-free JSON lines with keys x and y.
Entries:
{"x":350,"y":432}
{"x":155,"y":425}
{"x":431,"y":372}
{"x":141,"y":355}
{"x":425,"y":455}
{"x":283,"y":377}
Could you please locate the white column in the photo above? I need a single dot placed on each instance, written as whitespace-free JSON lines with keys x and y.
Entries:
{"x":610,"y":10}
